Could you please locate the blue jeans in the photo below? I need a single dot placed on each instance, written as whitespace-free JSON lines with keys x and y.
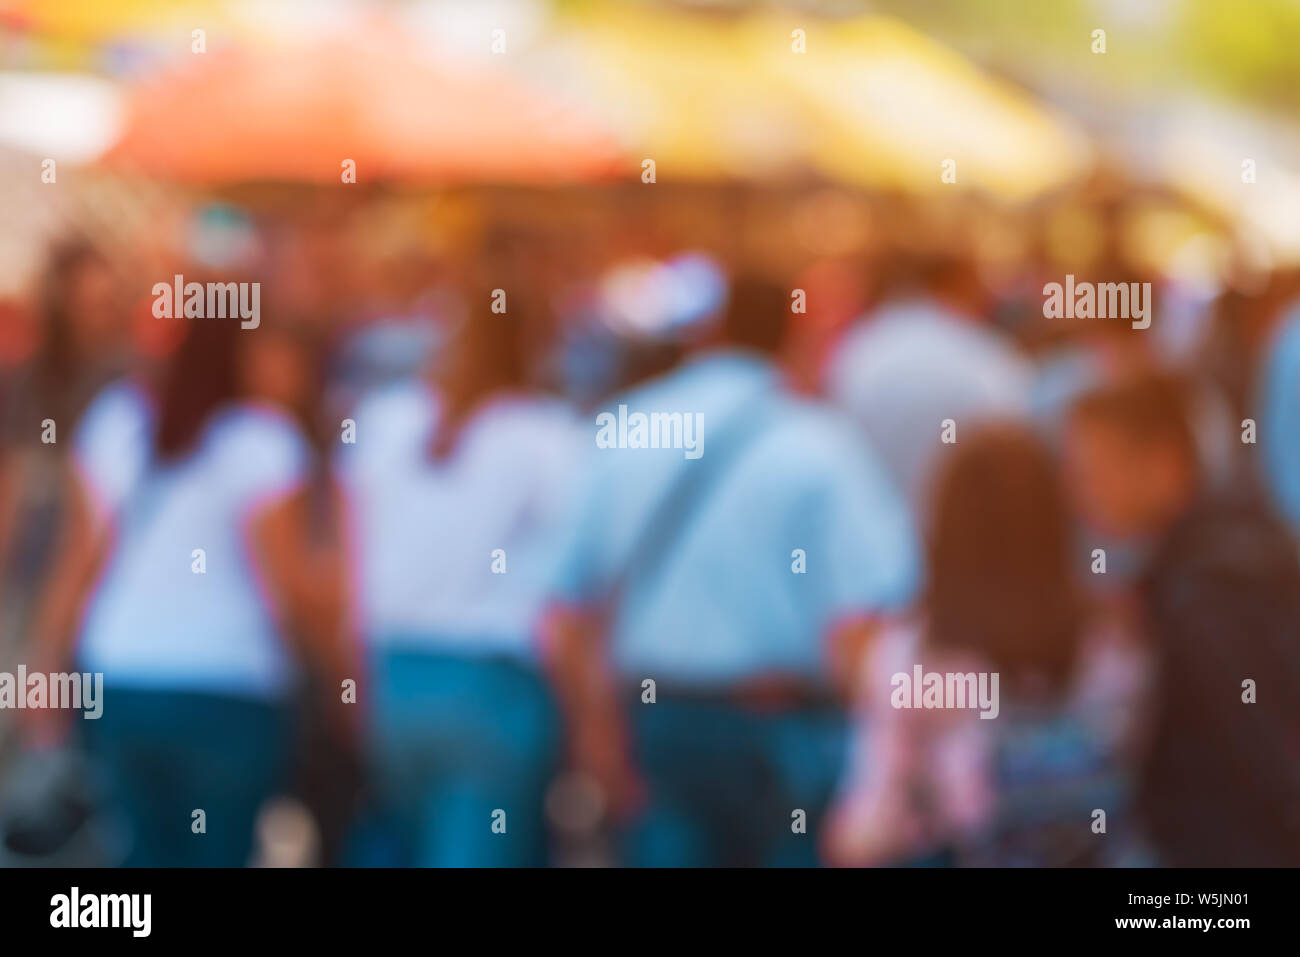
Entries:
{"x":165,"y":754}
{"x":458,"y":743}
{"x":724,"y":783}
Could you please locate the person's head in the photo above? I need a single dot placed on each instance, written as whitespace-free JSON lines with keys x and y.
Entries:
{"x":79,"y":306}
{"x":218,"y":363}
{"x":204,"y":374}
{"x":757,"y":315}
{"x":1131,"y":457}
{"x":487,"y":354}
{"x":281,"y":365}
{"x":946,"y":278}
{"x":1001,"y":581}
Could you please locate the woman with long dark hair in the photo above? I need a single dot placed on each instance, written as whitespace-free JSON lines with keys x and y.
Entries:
{"x":79,"y":349}
{"x":1009,"y":770}
{"x":457,"y":491}
{"x":189,"y":588}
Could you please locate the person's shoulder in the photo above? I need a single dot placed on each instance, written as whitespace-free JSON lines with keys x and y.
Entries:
{"x":249,"y":437}
{"x":397,"y":403}
{"x":535,"y":428}
{"x":534,"y":414}
{"x":658,"y":391}
{"x":256,"y":449}
{"x":112,"y":441}
{"x":255,"y":422}
{"x":814,"y":416}
{"x":811,"y":437}
{"x":391,"y":420}
{"x":905,"y":340}
{"x":873,"y":337}
{"x":119,"y":402}
{"x":117,"y":420}
{"x":1232,"y":526}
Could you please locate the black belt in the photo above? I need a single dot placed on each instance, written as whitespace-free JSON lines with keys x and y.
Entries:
{"x":763,"y":695}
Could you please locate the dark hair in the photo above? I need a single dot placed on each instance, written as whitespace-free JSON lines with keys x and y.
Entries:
{"x":201,"y":377}
{"x":758,"y":314}
{"x":488,"y":353}
{"x":1147,"y":407}
{"x":906,"y":273}
{"x":315,"y":348}
{"x":57,"y":361}
{"x":1001,"y":581}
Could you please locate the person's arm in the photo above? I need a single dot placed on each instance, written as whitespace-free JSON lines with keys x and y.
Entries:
{"x":868,"y":571}
{"x":873,"y":823}
{"x":308,"y":584}
{"x":79,"y":557}
{"x":847,"y":646}
{"x":961,"y":765}
{"x":575,"y":657}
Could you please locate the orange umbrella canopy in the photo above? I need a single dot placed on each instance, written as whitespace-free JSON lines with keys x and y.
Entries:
{"x":299,"y":114}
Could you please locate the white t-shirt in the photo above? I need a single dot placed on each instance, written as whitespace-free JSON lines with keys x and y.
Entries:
{"x":165,"y":615}
{"x":912,"y":365}
{"x":457,"y":555}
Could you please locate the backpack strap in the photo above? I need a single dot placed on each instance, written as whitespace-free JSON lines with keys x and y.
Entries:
{"x":686,"y":496}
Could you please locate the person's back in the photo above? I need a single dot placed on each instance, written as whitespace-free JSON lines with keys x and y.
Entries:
{"x":1221,"y":786}
{"x":427,"y":530}
{"x":802,"y":482}
{"x":731,"y":557}
{"x":1054,"y":764}
{"x":948,"y":786}
{"x":1012,"y":777}
{"x":1221,"y":596}
{"x":185,"y":595}
{"x":457,"y":492}
{"x":905,"y":369}
{"x":179,"y":551}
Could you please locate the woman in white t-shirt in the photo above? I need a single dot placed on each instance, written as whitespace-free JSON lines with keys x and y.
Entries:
{"x":456,"y":495}
{"x":181,"y":584}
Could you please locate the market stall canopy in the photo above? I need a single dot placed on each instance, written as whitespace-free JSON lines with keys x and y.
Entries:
{"x":1239,"y":168}
{"x":893,"y":107}
{"x":585,"y":91}
{"x":869,"y":102}
{"x":296,"y":112}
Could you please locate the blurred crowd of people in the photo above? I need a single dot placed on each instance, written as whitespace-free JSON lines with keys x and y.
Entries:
{"x":371,"y":554}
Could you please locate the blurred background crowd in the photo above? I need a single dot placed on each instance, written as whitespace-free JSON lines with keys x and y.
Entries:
{"x":365,"y":589}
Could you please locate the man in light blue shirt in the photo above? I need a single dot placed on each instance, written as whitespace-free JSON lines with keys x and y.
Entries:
{"x":732,"y":546}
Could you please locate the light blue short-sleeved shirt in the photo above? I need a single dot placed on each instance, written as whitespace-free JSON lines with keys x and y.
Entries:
{"x":163,"y":615}
{"x":457,"y":556}
{"x":727,"y":602}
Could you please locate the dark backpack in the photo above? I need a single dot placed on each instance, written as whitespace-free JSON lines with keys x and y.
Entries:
{"x":1221,"y":785}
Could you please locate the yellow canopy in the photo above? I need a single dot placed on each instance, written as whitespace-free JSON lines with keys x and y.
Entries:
{"x":84,"y":21}
{"x":683,"y":90}
{"x":891,"y":107}
{"x":869,"y":102}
